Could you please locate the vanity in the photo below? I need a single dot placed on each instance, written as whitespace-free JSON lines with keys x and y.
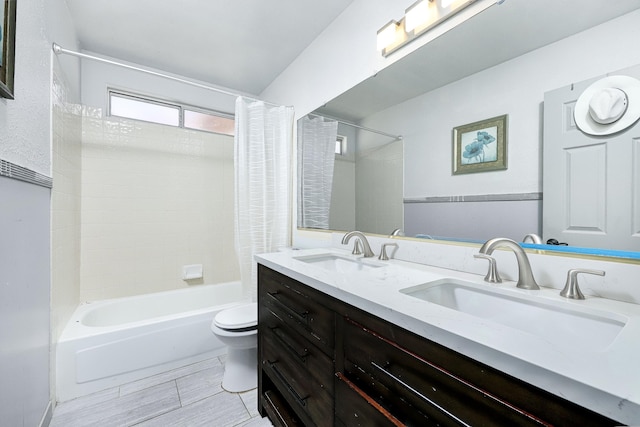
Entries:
{"x":349,"y":341}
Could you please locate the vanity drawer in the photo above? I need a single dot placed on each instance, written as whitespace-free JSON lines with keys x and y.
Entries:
{"x":355,"y":408}
{"x":284,"y":344}
{"x":278,"y":411}
{"x":404,"y":364}
{"x":417,"y":390}
{"x":299,"y":306}
{"x":297,"y":386}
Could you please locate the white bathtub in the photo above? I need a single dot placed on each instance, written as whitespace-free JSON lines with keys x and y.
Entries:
{"x":111,"y":342}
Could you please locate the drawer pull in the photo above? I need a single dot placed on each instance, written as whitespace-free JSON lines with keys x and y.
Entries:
{"x":300,"y":354}
{"x":302,"y":316}
{"x":301,"y":400}
{"x":417,"y":393}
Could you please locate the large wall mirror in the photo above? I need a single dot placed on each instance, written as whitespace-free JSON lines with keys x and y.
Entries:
{"x":394,"y":168}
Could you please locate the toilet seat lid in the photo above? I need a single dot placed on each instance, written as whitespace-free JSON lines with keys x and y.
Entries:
{"x":242,"y":316}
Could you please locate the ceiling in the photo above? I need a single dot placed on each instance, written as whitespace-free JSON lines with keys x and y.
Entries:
{"x":498,"y":34}
{"x":238,"y":44}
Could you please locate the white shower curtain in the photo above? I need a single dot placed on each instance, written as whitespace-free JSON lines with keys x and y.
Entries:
{"x":263,"y":144}
{"x":316,"y":156}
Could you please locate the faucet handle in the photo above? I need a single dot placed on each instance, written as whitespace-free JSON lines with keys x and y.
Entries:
{"x":383,"y":251}
{"x":571,"y":289}
{"x":492,"y":275}
{"x":357,"y":248}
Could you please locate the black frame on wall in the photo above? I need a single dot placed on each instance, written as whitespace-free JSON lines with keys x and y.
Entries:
{"x":7,"y":47}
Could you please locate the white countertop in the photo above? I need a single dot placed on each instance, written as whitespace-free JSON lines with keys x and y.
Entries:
{"x":606,"y":381}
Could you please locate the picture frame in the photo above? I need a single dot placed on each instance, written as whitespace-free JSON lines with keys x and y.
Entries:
{"x":7,"y":47}
{"x":480,"y":146}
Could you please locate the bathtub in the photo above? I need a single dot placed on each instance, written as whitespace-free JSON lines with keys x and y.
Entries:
{"x":111,"y":342}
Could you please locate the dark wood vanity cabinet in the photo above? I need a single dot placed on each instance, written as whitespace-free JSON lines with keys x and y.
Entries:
{"x":296,"y":333}
{"x":324,"y":363}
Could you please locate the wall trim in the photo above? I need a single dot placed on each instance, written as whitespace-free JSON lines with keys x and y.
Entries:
{"x":47,"y":416}
{"x":512,"y":197}
{"x":11,"y":170}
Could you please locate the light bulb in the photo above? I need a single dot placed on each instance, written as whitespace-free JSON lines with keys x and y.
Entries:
{"x":386,"y":35}
{"x":417,"y":15}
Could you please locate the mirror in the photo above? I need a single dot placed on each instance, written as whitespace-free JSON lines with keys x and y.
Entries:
{"x":350,"y":177}
{"x":502,"y":61}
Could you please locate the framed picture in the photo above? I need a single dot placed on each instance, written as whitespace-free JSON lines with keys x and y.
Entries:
{"x":7,"y":46}
{"x":480,"y":146}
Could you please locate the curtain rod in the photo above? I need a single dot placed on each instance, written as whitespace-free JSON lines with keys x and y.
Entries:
{"x":57,"y":49}
{"x":379,"y":132}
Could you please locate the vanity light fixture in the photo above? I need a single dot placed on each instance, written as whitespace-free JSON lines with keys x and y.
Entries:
{"x":417,"y":15}
{"x":387,"y":35}
{"x":421,"y":17}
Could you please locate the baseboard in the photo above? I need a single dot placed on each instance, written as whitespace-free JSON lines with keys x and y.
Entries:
{"x":46,"y":417}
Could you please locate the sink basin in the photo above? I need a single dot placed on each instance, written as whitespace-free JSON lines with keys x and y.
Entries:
{"x":340,"y":264}
{"x":553,"y":321}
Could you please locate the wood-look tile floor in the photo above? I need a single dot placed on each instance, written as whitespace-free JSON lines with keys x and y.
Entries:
{"x":183,"y":397}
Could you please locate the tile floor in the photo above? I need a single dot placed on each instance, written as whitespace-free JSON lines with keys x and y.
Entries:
{"x":187,"y":396}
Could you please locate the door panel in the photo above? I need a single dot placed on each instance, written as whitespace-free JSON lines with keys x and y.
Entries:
{"x":591,"y":183}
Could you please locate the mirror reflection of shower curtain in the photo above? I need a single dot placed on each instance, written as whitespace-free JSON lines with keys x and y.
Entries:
{"x":263,"y":171}
{"x":316,"y":157}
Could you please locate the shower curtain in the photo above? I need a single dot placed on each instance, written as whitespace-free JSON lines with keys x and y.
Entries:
{"x":263,"y":144}
{"x":316,"y":156}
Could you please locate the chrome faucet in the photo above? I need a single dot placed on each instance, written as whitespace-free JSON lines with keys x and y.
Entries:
{"x":367,"y":252}
{"x":383,"y":251}
{"x":533,"y":237}
{"x":525,"y":275}
{"x":571,"y":289}
{"x":397,"y":232}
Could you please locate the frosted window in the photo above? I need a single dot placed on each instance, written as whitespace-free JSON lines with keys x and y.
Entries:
{"x":139,"y":107}
{"x":341,"y":145}
{"x":209,"y":122}
{"x":132,"y":108}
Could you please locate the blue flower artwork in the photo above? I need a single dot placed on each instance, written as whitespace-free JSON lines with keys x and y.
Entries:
{"x":478,"y":147}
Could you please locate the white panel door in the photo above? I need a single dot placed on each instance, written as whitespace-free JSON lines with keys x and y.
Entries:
{"x":591,"y":184}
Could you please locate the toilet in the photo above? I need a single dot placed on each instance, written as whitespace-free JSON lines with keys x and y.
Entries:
{"x":237,"y":328}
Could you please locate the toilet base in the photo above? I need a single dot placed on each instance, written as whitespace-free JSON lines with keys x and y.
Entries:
{"x":240,"y":370}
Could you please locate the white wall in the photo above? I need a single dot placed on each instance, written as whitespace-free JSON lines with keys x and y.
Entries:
{"x":65,"y":204}
{"x":345,"y":54}
{"x":25,"y":140}
{"x":379,"y":180}
{"x":154,"y":198}
{"x":341,"y":57}
{"x":24,"y":121}
{"x":342,"y":214}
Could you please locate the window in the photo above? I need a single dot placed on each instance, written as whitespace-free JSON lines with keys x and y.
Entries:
{"x":138,"y":107}
{"x":209,"y":122}
{"x":142,"y":109}
{"x":341,"y":145}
